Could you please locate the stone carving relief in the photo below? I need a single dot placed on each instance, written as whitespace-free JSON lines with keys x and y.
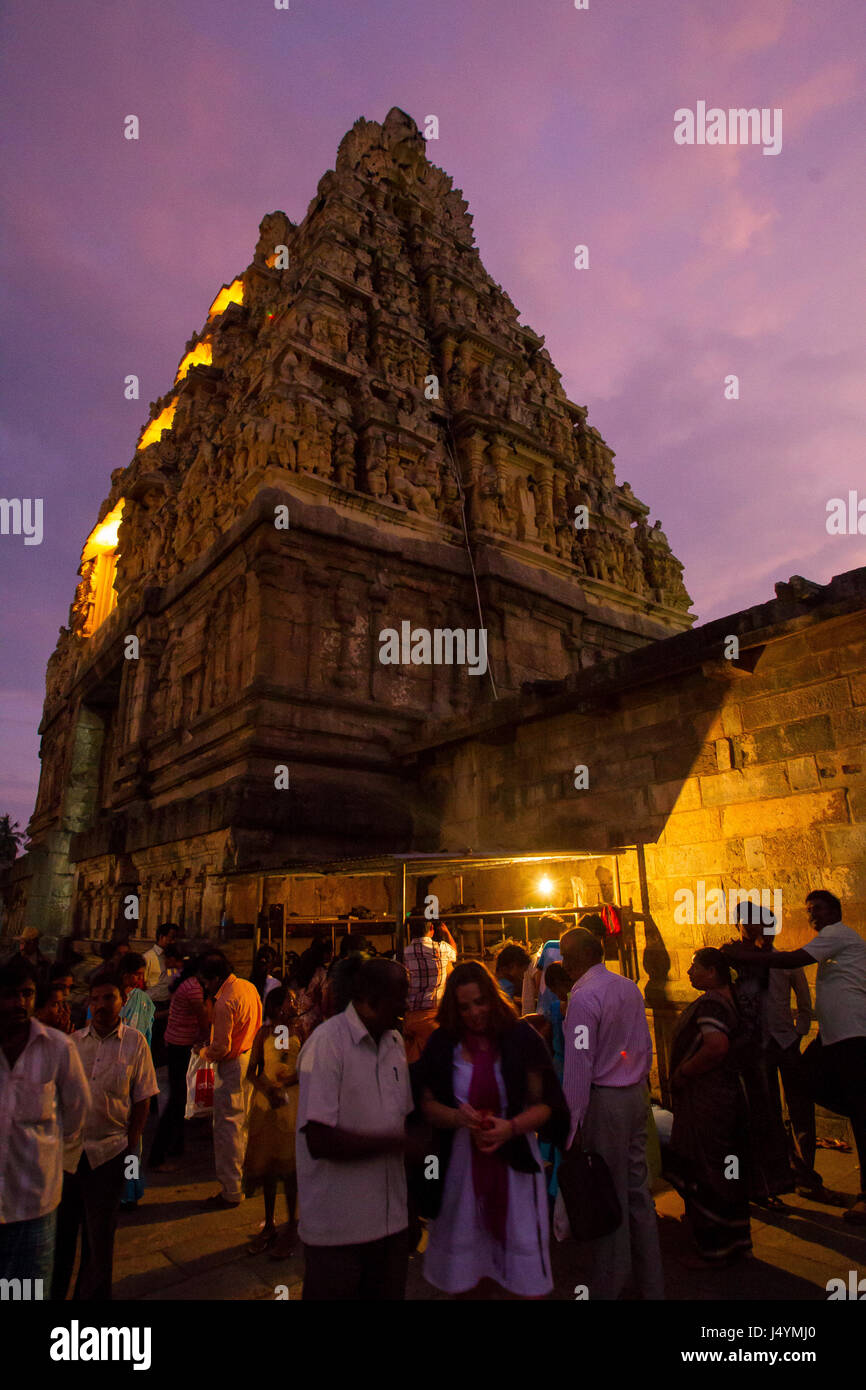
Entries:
{"x":343,"y":456}
{"x":386,"y":289}
{"x":275,"y":229}
{"x":409,"y":492}
{"x":522,"y":500}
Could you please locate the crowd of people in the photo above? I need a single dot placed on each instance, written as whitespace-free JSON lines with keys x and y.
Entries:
{"x":424,"y":1104}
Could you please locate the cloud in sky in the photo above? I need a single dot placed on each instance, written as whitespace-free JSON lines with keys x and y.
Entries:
{"x":558,"y":127}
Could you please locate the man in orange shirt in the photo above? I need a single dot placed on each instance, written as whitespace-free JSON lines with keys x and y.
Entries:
{"x":237,"y":1017}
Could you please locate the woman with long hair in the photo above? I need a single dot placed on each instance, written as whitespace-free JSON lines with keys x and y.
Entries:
{"x":311,"y":975}
{"x":486,"y":1084}
{"x":707,"y":1157}
{"x":188,"y":1025}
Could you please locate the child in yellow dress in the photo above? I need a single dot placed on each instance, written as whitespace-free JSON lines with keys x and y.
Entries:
{"x":270,"y":1156}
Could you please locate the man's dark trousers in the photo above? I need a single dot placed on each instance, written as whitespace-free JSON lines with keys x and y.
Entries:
{"x":801,"y":1108}
{"x":158,"y":1045}
{"x":837,"y":1079}
{"x":169,"y":1135}
{"x":374,"y":1272}
{"x":90,"y":1203}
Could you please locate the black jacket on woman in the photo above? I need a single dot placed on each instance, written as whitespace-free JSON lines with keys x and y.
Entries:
{"x":521,"y":1051}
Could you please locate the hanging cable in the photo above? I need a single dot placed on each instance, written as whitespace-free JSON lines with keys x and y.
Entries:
{"x":452,"y":454}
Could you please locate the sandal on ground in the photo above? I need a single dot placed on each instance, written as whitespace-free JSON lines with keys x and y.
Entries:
{"x":856,"y":1215}
{"x":284,"y":1246}
{"x":263,"y":1241}
{"x":723,"y":1262}
{"x":822,"y":1194}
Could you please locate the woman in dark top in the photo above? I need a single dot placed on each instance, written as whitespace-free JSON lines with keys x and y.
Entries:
{"x":486,"y":1083}
{"x":262,"y":974}
{"x":189,"y":1020}
{"x":707,"y":1158}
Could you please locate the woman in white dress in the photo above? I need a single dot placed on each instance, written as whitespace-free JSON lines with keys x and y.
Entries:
{"x":486,"y":1084}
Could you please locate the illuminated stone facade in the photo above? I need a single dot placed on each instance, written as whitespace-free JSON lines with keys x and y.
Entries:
{"x":363,"y":434}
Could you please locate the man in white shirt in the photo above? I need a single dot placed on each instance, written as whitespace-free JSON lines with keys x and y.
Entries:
{"x":117,"y":1063}
{"x":352,"y":1108}
{"x":608,"y":1054}
{"x":43,"y":1101}
{"x":836,"y":1060}
{"x":157,"y":983}
{"x":429,"y":963}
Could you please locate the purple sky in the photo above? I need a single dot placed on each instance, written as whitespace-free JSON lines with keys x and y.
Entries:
{"x":558,"y":126}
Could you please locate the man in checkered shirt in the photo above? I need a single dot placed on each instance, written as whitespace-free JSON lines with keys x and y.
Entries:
{"x":428,"y":963}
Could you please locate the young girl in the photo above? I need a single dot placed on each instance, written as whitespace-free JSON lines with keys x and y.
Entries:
{"x":554,"y":1005}
{"x":270,"y":1156}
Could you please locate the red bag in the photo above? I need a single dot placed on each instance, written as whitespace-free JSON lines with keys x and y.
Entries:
{"x":610,"y":917}
{"x":204,"y":1087}
{"x":199,"y":1087}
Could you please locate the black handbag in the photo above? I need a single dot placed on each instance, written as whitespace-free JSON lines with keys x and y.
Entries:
{"x":591,"y":1203}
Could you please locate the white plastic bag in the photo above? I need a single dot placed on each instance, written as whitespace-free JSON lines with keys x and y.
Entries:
{"x":199,"y":1094}
{"x":561,"y":1227}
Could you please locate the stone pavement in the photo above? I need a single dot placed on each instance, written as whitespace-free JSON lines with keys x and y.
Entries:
{"x":170,"y":1249}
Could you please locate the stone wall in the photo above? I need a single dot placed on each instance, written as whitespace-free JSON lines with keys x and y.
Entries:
{"x":744,"y":774}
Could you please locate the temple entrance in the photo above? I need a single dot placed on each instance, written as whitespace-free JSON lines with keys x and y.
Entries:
{"x":486,"y":900}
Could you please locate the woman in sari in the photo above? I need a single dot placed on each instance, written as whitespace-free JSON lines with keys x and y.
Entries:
{"x":312,"y":973}
{"x":707,"y":1156}
{"x":137,"y":1012}
{"x":138,"y":1008}
{"x":486,"y":1084}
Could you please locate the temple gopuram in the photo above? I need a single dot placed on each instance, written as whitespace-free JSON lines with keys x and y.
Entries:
{"x":381,"y":386}
{"x":362,"y":438}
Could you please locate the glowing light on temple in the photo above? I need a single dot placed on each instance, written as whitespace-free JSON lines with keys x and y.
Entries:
{"x":100,"y":554}
{"x":157,"y":428}
{"x":105,"y":535}
{"x":201,"y":356}
{"x":229,"y":294}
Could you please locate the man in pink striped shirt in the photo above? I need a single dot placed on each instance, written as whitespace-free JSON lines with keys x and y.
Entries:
{"x":608,"y":1054}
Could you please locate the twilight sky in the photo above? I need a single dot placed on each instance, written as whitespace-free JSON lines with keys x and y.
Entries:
{"x":558,"y":126}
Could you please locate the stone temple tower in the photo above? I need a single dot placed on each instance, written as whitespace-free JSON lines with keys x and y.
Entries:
{"x":362,"y":435}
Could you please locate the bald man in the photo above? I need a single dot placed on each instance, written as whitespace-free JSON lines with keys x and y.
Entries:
{"x":608,"y":1054}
